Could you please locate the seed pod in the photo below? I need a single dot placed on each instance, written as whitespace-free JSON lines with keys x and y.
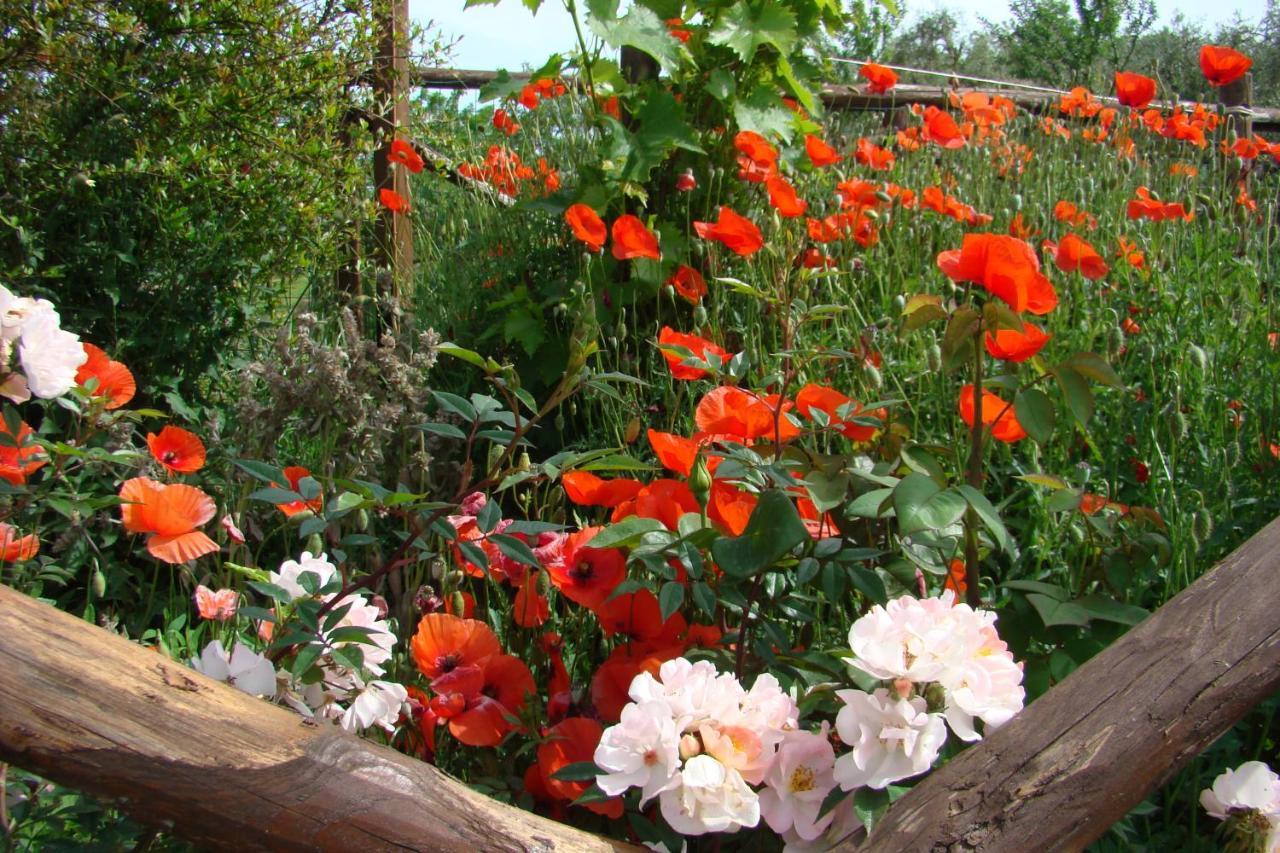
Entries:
{"x":99,"y":583}
{"x":700,"y":316}
{"x":933,"y":356}
{"x":523,"y":463}
{"x":632,"y":431}
{"x":871,"y":374}
{"x":1202,"y":524}
{"x":458,"y":603}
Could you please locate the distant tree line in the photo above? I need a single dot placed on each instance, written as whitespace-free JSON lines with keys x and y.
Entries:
{"x":1066,"y":43}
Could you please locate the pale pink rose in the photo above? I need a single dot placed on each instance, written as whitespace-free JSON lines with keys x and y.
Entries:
{"x":378,"y":644}
{"x":798,"y":781}
{"x":243,"y":669}
{"x":641,"y":751}
{"x":1252,"y":785}
{"x":892,"y":738}
{"x":290,"y":571}
{"x":379,"y":703}
{"x":49,"y":355}
{"x":709,"y":798}
{"x":900,"y":640}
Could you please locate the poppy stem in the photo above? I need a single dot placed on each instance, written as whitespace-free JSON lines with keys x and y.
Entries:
{"x":972,"y":574}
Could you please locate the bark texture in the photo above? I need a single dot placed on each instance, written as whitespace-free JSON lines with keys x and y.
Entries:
{"x":94,"y":711}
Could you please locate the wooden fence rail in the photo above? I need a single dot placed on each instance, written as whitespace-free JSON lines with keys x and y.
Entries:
{"x":92,"y":710}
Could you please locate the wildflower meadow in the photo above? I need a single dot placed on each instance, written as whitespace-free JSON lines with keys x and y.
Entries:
{"x":655,"y":445}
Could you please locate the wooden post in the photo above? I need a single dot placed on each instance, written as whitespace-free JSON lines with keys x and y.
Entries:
{"x":198,"y":758}
{"x":348,"y":275}
{"x":1083,"y":755}
{"x":391,"y":92}
{"x":1237,"y":99}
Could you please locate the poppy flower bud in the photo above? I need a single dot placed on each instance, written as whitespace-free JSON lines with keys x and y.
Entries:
{"x":1202,"y":524}
{"x":559,"y":422}
{"x":1232,"y":453}
{"x":871,"y":374}
{"x":315,"y":544}
{"x":700,"y":481}
{"x":700,"y":316}
{"x":1017,"y":201}
{"x":632,"y":431}
{"x":543,"y":580}
{"x":686,"y":182}
{"x":1115,"y":340}
{"x":933,"y":357}
{"x":899,"y":303}
{"x":884,"y":196}
{"x":99,"y":583}
{"x":458,"y":603}
{"x":1178,"y":426}
{"x":495,"y":455}
{"x":362,"y":519}
{"x":298,"y":517}
{"x":524,"y":463}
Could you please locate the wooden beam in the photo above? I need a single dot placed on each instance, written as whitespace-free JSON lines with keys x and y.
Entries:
{"x":391,"y":84}
{"x":1083,"y":755}
{"x":834,"y":96}
{"x":92,"y":710}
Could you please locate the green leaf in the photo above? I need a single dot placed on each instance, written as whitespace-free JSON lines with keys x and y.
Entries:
{"x":455,"y":405}
{"x":578,"y":771}
{"x":867,"y":582}
{"x":1047,"y":480}
{"x":515,"y":549}
{"x":988,"y":513}
{"x":869,"y":504}
{"x":704,"y":598}
{"x":764,"y":113}
{"x":870,"y":805}
{"x":721,"y":85}
{"x":661,"y":128}
{"x":640,"y":28}
{"x":261,"y":470}
{"x":921,"y":504}
{"x":1109,"y":610}
{"x":670,"y":597}
{"x":273,"y":495}
{"x":1095,"y":367}
{"x":827,"y":491}
{"x":745,"y":27}
{"x":1054,"y":612}
{"x":1055,"y":592}
{"x":625,"y":533}
{"x":773,"y":530}
{"x":469,"y":356}
{"x":1036,"y":412}
{"x":1076,"y":390}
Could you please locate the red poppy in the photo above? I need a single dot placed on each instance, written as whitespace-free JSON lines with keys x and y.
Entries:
{"x":996,"y":414}
{"x":730,"y":507}
{"x":571,"y":741}
{"x":941,"y":129}
{"x":393,"y":201}
{"x":295,"y":474}
{"x":830,"y":402}
{"x":858,"y":193}
{"x":1005,"y":266}
{"x":1147,"y":207}
{"x":869,"y":154}
{"x":783,"y":198}
{"x":820,"y":153}
{"x":20,"y":456}
{"x":699,"y":347}
{"x":587,"y":226}
{"x":1065,"y":211}
{"x":1134,"y":90}
{"x":586,"y":575}
{"x":1073,"y":253}
{"x":1020,"y":229}
{"x":492,"y":694}
{"x":404,"y":154}
{"x":1012,"y":345}
{"x":1223,"y":65}
{"x":171,"y":514}
{"x":662,"y":500}
{"x":505,"y":123}
{"x":761,"y":158}
{"x":587,"y":489}
{"x":530,"y":608}
{"x":736,"y":232}
{"x":634,"y":615}
{"x":956,"y":581}
{"x":1129,"y":327}
{"x":743,"y":416}
{"x":114,"y":380}
{"x":689,"y":283}
{"x":879,"y":78}
{"x":14,"y":548}
{"x":529,"y":97}
{"x":612,"y":680}
{"x":631,"y":239}
{"x":178,"y":450}
{"x":675,"y":453}
{"x":443,"y":643}
{"x":686,"y":182}
{"x":676,"y":27}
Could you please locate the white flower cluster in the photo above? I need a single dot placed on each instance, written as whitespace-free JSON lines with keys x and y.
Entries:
{"x":1250,"y":797}
{"x":697,"y":740}
{"x":369,"y":702}
{"x":47,"y":356}
{"x":911,"y":645}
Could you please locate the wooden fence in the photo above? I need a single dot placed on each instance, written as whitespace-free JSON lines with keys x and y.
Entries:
{"x":198,"y":758}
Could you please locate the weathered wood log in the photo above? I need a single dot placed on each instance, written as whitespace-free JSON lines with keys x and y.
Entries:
{"x":1084,"y":754}
{"x":833,"y":95}
{"x":94,"y":711}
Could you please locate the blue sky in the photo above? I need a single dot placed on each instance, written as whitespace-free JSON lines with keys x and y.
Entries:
{"x":508,"y":36}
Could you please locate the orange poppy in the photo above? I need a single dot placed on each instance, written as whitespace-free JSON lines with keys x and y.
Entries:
{"x":700,"y":347}
{"x":869,"y":154}
{"x":295,"y":475}
{"x":689,"y":283}
{"x":20,"y":456}
{"x":879,"y":79}
{"x":1134,"y":90}
{"x":503,"y":122}
{"x":784,"y":199}
{"x":393,"y":201}
{"x":587,"y":226}
{"x":1147,"y":207}
{"x":171,"y":514}
{"x":996,"y":414}
{"x":1065,"y":211}
{"x":530,"y":608}
{"x":586,"y":575}
{"x":759,"y":158}
{"x":1012,"y":345}
{"x":631,"y":239}
{"x":662,"y":500}
{"x":1020,"y":229}
{"x":1072,"y":253}
{"x":568,"y":742}
{"x":1005,"y":266}
{"x":612,"y":680}
{"x":634,"y":615}
{"x":585,"y":488}
{"x":14,"y":548}
{"x":178,"y":450}
{"x":403,"y":153}
{"x":736,"y":232}
{"x":115,"y":381}
{"x":730,"y":507}
{"x":858,"y":193}
{"x":1223,"y":65}
{"x":490,"y":695}
{"x":941,"y":129}
{"x":736,"y":415}
{"x":820,"y":153}
{"x":443,"y":643}
{"x":830,"y":401}
{"x":956,"y":579}
{"x":675,"y":453}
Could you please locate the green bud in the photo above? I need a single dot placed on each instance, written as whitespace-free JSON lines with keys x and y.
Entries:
{"x":700,"y":481}
{"x":99,"y":583}
{"x":933,"y":357}
{"x":1199,"y":357}
{"x":315,"y":544}
{"x":871,"y":374}
{"x":899,"y":303}
{"x":458,"y":603}
{"x":544,"y":584}
{"x":1178,"y":426}
{"x":700,"y":316}
{"x":362,"y":520}
{"x":936,"y":697}
{"x":1202,"y":524}
{"x":523,"y":463}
